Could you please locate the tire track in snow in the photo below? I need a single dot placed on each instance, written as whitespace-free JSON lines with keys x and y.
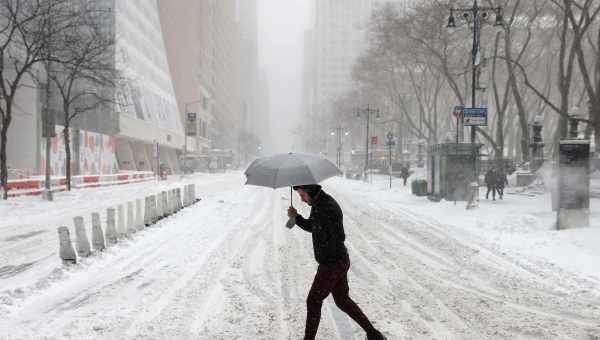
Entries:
{"x":478,"y":308}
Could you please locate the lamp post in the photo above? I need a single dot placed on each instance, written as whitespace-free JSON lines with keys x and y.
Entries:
{"x":475,"y":15}
{"x":339,"y":132}
{"x":367,"y":113}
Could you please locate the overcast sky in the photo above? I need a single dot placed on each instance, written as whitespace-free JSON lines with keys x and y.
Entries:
{"x":281,"y":26}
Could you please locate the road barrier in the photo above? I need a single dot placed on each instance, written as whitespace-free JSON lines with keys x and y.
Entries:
{"x":66,"y":252}
{"x":156,"y":207}
{"x":81,"y":241}
{"x":111,"y":231}
{"x":35,"y":185}
{"x":97,"y":236}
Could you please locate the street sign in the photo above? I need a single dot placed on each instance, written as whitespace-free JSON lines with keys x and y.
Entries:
{"x":391,"y":143}
{"x":191,"y":123}
{"x":458,"y":111}
{"x":374,"y":140}
{"x":475,"y":116}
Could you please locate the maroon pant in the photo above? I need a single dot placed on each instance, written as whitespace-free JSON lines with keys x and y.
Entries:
{"x":332,"y":279}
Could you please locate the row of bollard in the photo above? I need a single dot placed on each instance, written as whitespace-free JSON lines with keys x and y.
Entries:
{"x":120,"y":226}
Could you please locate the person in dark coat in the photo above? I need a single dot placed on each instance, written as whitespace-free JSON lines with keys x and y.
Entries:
{"x":490,"y":181}
{"x":325,"y":223}
{"x":501,"y":182}
{"x":404,"y":173}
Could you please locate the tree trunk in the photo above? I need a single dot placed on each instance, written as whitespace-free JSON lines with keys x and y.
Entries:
{"x":3,"y":163}
{"x":68,"y":158}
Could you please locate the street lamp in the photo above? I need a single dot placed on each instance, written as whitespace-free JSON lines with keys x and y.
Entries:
{"x":475,"y":15}
{"x":367,"y":113}
{"x":339,"y":131}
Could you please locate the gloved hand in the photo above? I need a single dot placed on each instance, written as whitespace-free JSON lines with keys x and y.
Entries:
{"x":292,"y":212}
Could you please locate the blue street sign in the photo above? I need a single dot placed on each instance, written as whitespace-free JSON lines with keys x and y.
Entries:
{"x":475,"y":116}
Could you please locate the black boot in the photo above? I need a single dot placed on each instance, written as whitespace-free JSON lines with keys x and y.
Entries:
{"x":375,"y":335}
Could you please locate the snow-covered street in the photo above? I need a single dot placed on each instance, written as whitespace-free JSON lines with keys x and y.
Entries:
{"x":227,"y":268}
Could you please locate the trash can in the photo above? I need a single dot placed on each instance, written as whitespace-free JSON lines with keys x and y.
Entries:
{"x":423,"y":188}
{"x":415,"y":187}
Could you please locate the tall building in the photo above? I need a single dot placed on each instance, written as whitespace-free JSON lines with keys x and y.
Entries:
{"x":182,"y":33}
{"x":125,"y":136}
{"x":336,"y":38}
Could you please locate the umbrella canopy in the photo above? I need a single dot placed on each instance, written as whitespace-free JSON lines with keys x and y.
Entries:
{"x":289,"y":169}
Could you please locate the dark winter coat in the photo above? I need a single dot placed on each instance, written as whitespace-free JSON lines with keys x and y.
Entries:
{"x":325,"y":223}
{"x":490,"y":178}
{"x":404,"y":173}
{"x":501,"y":180}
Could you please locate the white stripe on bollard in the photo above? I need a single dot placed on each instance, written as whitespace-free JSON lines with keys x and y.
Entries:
{"x":139,"y":215}
{"x":130,"y":219}
{"x":111,"y":231}
{"x":97,"y":236}
{"x":81,"y":241}
{"x":66,"y":252}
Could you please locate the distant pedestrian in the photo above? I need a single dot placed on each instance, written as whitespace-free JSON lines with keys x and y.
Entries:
{"x":490,"y":181}
{"x":404,"y":173}
{"x":325,"y":223}
{"x":501,"y":182}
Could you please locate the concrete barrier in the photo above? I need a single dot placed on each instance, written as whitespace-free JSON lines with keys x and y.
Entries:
{"x":165,"y":203}
{"x":153,"y":212}
{"x":147,"y":213}
{"x":193,"y":193}
{"x":111,"y":231}
{"x":82,"y":244}
{"x":97,"y":236}
{"x":130,"y":219}
{"x":178,"y":199}
{"x":171,"y":202}
{"x":186,"y":195}
{"x":159,"y":207}
{"x":66,"y":252}
{"x":121,"y":231}
{"x":139,"y":215}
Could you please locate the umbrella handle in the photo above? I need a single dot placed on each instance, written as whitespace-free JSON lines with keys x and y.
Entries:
{"x":291,"y":198}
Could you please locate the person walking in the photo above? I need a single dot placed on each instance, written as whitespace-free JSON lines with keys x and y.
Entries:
{"x":325,"y":223}
{"x":490,"y":181}
{"x":404,"y":173}
{"x":501,"y":182}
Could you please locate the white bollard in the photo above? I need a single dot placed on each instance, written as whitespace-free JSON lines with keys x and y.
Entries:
{"x":159,"y":207}
{"x":165,"y":203}
{"x":121,"y":231}
{"x":81,"y":241}
{"x":148,"y":212}
{"x":97,"y":236}
{"x":171,"y":202}
{"x":193,"y":193}
{"x":111,"y":231}
{"x":178,"y":199}
{"x":130,"y":219}
{"x":66,"y":252}
{"x":153,"y":211}
{"x":186,"y":195}
{"x":139,"y":215}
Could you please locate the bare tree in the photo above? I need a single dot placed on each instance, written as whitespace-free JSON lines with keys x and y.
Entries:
{"x":85,"y":75}
{"x":25,"y":33}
